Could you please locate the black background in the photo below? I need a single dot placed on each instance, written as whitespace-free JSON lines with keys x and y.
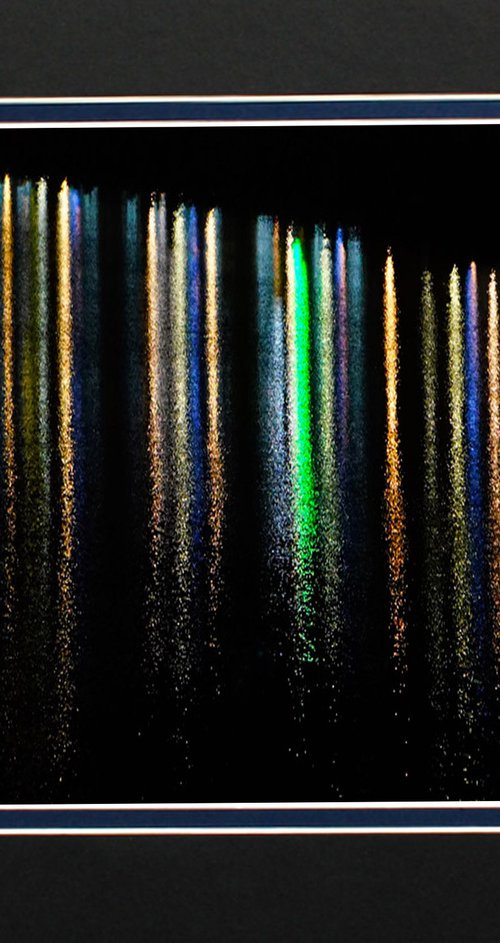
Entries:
{"x":260,"y":889}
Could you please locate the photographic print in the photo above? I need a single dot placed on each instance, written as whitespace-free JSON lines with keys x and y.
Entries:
{"x":250,"y":464}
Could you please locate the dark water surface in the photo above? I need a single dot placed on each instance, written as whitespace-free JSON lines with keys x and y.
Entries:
{"x":250,"y":507}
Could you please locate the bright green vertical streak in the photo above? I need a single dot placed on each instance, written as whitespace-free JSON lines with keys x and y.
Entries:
{"x":304,"y":494}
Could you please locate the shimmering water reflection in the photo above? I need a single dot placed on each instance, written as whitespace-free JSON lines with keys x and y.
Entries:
{"x":250,"y":507}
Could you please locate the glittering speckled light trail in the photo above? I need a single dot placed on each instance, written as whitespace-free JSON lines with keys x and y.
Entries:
{"x":395,"y":520}
{"x":250,"y":504}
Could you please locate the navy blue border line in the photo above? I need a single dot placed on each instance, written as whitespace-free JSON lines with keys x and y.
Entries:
{"x":235,"y":819}
{"x":248,"y":110}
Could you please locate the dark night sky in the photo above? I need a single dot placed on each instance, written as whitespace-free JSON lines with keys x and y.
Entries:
{"x":431,"y":187}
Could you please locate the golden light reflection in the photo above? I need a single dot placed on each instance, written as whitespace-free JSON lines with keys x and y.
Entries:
{"x":66,"y":590}
{"x":8,"y":402}
{"x":394,"y":503}
{"x":181,"y":454}
{"x":214,"y":434}
{"x":156,"y":438}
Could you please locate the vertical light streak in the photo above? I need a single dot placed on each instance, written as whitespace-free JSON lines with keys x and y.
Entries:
{"x":33,"y":489}
{"x":136,"y":336}
{"x":329,"y":506}
{"x":461,"y":601}
{"x":42,"y":332}
{"x":473,"y":426}
{"x":66,"y":590}
{"x":10,"y":642}
{"x":358,"y":547}
{"x":34,"y":400}
{"x":343,"y":349}
{"x":432,"y":507}
{"x":394,"y":503}
{"x":91,"y":335}
{"x":195,"y":354}
{"x":357,"y":371}
{"x":181,"y":453}
{"x":155,"y":642}
{"x":216,"y":498}
{"x":8,"y":404}
{"x":277,"y":268}
{"x":25,"y":254}
{"x":493,"y":353}
{"x":132,"y":281}
{"x":81,"y":372}
{"x":472,"y":377}
{"x":299,"y":404}
{"x":272,"y":409}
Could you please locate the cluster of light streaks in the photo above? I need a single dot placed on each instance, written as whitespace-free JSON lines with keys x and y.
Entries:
{"x":187,"y":489}
{"x":317,"y":450}
{"x":43,"y":302}
{"x":394,"y":503}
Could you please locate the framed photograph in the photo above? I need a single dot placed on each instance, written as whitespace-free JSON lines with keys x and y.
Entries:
{"x":250,"y":465}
